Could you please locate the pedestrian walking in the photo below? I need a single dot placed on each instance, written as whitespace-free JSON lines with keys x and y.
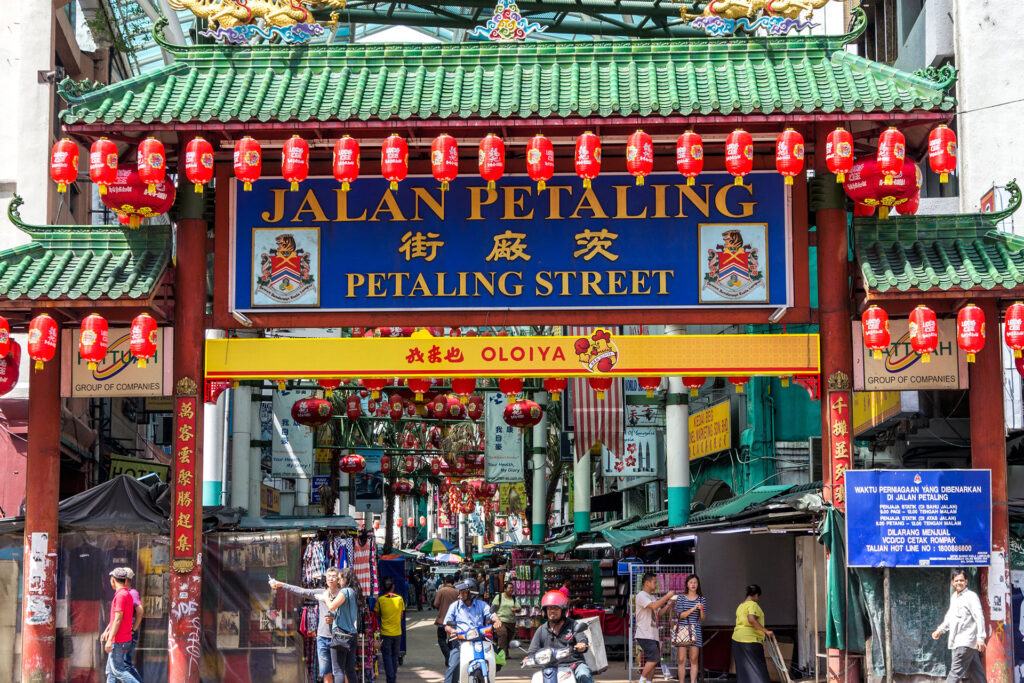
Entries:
{"x":443,"y":599}
{"x":389,"y":608}
{"x":966,"y":626}
{"x":505,"y":606}
{"x":347,"y":605}
{"x":326,"y":659}
{"x":690,"y":612}
{"x":748,"y":639}
{"x":137,"y":615}
{"x":416,"y":588}
{"x":648,"y":611}
{"x":117,"y":636}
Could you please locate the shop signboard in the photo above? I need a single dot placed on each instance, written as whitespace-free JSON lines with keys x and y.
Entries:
{"x":292,"y":449}
{"x":710,"y":430}
{"x":503,"y":447}
{"x":512,"y":498}
{"x":901,"y":369}
{"x":640,"y":458}
{"x":512,"y":248}
{"x":918,"y":518}
{"x":183,"y":510}
{"x":118,"y":374}
{"x":369,"y":482}
{"x":135,"y":467}
{"x":640,"y":413}
{"x":270,"y":500}
{"x":873,"y":410}
{"x":314,"y":488}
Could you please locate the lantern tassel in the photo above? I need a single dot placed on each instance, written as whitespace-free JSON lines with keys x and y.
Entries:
{"x":247,"y":186}
{"x":419,"y":397}
{"x":586,"y":183}
{"x":883,"y":212}
{"x":375,"y":394}
{"x":650,"y":393}
{"x":444,"y":186}
{"x":840,"y":178}
{"x":134,"y":222}
{"x":103,"y":189}
{"x":600,"y":396}
{"x":789,"y":180}
{"x":541,"y":185}
{"x":877,"y":354}
{"x":394,"y":185}
{"x":691,"y":180}
{"x":926,"y":358}
{"x":694,"y":392}
{"x":490,"y":184}
{"x":738,"y":180}
{"x":739,"y":388}
{"x":151,"y":188}
{"x":463,"y":400}
{"x":345,"y":186}
{"x":328,"y":393}
{"x":199,"y":188}
{"x":639,"y":180}
{"x":92,"y":365}
{"x":970,"y":358}
{"x":784,"y":381}
{"x":1016,"y":353}
{"x":61,"y":187}
{"x":39,"y":365}
{"x":295,"y":186}
{"x":943,"y":177}
{"x":888,"y":180}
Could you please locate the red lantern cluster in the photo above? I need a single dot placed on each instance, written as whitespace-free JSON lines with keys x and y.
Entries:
{"x":142,"y":340}
{"x":295,"y":161}
{"x":346,"y":161}
{"x":312,"y":412}
{"x":402,"y":487}
{"x":42,"y":339}
{"x":875,"y":327}
{"x":942,"y":151}
{"x":199,"y":162}
{"x":64,"y":163}
{"x":866,"y":186}
{"x":92,"y":342}
{"x":639,"y":155}
{"x":690,"y":155}
{"x":739,"y":154}
{"x":444,"y":159}
{"x":522,"y":414}
{"x":540,"y":160}
{"x":248,"y":161}
{"x":491,"y":159}
{"x":588,"y":157}
{"x":789,"y":154}
{"x":152,"y":163}
{"x":103,"y":163}
{"x":924,"y":332}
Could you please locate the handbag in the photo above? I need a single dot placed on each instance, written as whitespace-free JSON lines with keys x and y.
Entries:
{"x":341,"y":640}
{"x":684,"y":635}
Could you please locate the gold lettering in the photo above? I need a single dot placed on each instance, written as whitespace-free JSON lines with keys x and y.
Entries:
{"x":462,"y":284}
{"x":420,"y":286}
{"x":747,"y":208}
{"x":621,"y":203}
{"x":659,"y":201}
{"x":702,"y":205}
{"x":373,"y":285}
{"x":511,"y":202}
{"x":481,"y":279}
{"x":392,"y":207}
{"x":615,"y":282}
{"x":542,"y":281}
{"x":354,"y":280}
{"x":476,"y":201}
{"x":342,"y":206}
{"x":310,"y":205}
{"x":278,"y":207}
{"x":422,"y":193}
{"x":640,"y":282}
{"x":440,"y":286}
{"x":400,"y":279}
{"x":555,"y":210}
{"x":591,"y":278}
{"x":662,"y":276}
{"x":592,"y":203}
{"x":564,"y":275}
{"x":503,"y":286}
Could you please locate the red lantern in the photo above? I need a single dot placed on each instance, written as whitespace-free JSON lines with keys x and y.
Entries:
{"x":460,"y":465}
{"x":199,"y":162}
{"x":789,"y":154}
{"x":423,"y":492}
{"x":128,"y":197}
{"x":510,"y":386}
{"x":1014,"y":328}
{"x":555,"y":386}
{"x":862,"y":210}
{"x":103,"y":163}
{"x":353,"y":407}
{"x":312,"y":412}
{"x":540,"y":160}
{"x":346,"y":161}
{"x":396,"y":408}
{"x":394,"y":159}
{"x":739,"y":154}
{"x":839,"y":153}
{"x":352,"y":464}
{"x":152,"y":163}
{"x":376,"y":524}
{"x":248,"y":161}
{"x":694,"y":384}
{"x":491,"y":159}
{"x":410,"y":408}
{"x":942,"y":151}
{"x":639,"y":155}
{"x":64,"y":163}
{"x":329,"y":385}
{"x":402,"y":487}
{"x":42,"y":339}
{"x":385,"y":465}
{"x":875,"y":326}
{"x":865,"y":185}
{"x":92,"y":343}
{"x":435,"y":467}
{"x":475,"y":407}
{"x":970,"y":330}
{"x":410,"y":522}
{"x":588,"y":157}
{"x":295,"y":161}
{"x":142,"y":342}
{"x":522,"y":414}
{"x":464,"y":387}
{"x":924,"y":332}
{"x":892,"y":148}
{"x":739,"y":383}
{"x":10,"y":368}
{"x":419,"y":386}
{"x":439,"y":407}
{"x":454,"y":407}
{"x":398,"y":522}
{"x":444,"y":159}
{"x":375,"y":385}
{"x":5,"y":337}
{"x":600,"y":385}
{"x":500,"y":522}
{"x":409,"y":463}
{"x":690,"y":155}
{"x":649,"y":384}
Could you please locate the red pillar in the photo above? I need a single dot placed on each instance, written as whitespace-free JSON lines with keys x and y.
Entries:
{"x":988,"y":452}
{"x":185,"y":627}
{"x":39,"y":604}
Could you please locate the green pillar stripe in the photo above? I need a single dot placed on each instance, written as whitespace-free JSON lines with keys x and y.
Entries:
{"x":678,"y":505}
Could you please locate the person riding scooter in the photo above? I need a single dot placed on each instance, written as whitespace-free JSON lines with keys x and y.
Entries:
{"x":562,"y":632}
{"x":465,"y":614}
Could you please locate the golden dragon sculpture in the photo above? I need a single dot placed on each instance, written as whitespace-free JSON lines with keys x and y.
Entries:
{"x":751,"y":9}
{"x":232,"y":13}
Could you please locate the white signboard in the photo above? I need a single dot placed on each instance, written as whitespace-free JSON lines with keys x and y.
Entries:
{"x":503,"y":450}
{"x":292,"y":450}
{"x":640,"y":458}
{"x":901,"y":369}
{"x":642,"y":415}
{"x":118,"y":374}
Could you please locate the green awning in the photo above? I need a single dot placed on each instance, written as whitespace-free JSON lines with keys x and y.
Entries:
{"x":620,"y":538}
{"x":562,"y":544}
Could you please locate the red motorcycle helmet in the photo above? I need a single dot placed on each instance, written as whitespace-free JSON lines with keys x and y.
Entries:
{"x":555,"y":599}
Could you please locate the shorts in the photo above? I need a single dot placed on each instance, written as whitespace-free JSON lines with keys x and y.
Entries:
{"x":323,"y":655}
{"x":650,"y":648}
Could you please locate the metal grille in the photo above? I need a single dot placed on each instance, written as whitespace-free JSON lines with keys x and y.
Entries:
{"x":670,"y":577}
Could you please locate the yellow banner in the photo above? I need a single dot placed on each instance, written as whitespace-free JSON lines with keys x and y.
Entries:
{"x":512,"y":498}
{"x":872,"y":408}
{"x":710,"y":431}
{"x":601,"y":353}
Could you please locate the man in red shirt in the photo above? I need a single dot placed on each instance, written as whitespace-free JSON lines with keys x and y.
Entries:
{"x":117,"y":636}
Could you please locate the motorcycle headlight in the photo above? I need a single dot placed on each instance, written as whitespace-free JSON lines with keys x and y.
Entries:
{"x":472,"y":634}
{"x":543,"y":658}
{"x":478,"y":646}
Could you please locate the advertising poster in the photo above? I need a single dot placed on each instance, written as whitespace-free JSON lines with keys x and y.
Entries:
{"x":901,"y":369}
{"x":292,"y":449}
{"x":503,"y":451}
{"x":369,"y":483}
{"x":640,"y":456}
{"x":118,"y":374}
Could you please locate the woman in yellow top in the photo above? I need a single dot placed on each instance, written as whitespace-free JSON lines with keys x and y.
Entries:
{"x":747,"y":639}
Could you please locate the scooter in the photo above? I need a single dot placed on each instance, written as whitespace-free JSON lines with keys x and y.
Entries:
{"x":557,"y":665}
{"x":476,"y":655}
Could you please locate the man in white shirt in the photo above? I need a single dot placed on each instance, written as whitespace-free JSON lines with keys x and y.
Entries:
{"x":966,"y":626}
{"x":648,"y":610}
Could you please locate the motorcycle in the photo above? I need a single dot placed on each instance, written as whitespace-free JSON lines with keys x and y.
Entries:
{"x":557,"y":665}
{"x":476,"y":655}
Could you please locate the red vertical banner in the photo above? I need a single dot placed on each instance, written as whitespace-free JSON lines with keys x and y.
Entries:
{"x":183,"y":521}
{"x":840,"y":443}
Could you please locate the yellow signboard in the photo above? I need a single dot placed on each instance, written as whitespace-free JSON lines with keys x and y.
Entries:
{"x":872,"y":408}
{"x":270,"y":500}
{"x":600,"y":353}
{"x":512,"y":498}
{"x":710,"y":431}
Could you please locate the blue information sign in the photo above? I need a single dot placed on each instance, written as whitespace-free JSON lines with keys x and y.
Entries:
{"x":614,"y":245}
{"x":918,"y":518}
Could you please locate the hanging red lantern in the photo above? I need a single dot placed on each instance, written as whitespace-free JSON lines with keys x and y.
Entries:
{"x":142,"y":341}
{"x":909,"y":207}
{"x":690,"y":155}
{"x":42,"y":339}
{"x":649,"y":384}
{"x":419,"y":386}
{"x":199,"y":162}
{"x":444,"y":159}
{"x":694,"y":384}
{"x":739,"y":154}
{"x":839,"y":153}
{"x":865,"y":185}
{"x":588,"y":157}
{"x":924,"y":332}
{"x":312,"y":411}
{"x":396,"y":408}
{"x":329,"y":385}
{"x":409,"y":464}
{"x":510,"y":386}
{"x":410,"y":408}
{"x":739,"y":383}
{"x":92,"y":343}
{"x":464,"y":387}
{"x":970,"y":330}
{"x":460,"y":465}
{"x":942,"y":151}
{"x":500,"y":522}
{"x":346,"y":161}
{"x":435,"y":467}
{"x":892,"y":148}
{"x":600,"y":385}
{"x":475,"y":407}
{"x":128,"y":197}
{"x":10,"y":368}
{"x":639,"y":155}
{"x":1013,"y":328}
{"x":103,"y":163}
{"x":248,"y":161}
{"x":540,"y":160}
{"x":371,"y":406}
{"x":454,"y":408}
{"x":789,"y":154}
{"x":295,"y":161}
{"x":399,"y":522}
{"x":5,"y":337}
{"x":410,"y":522}
{"x":555,"y":386}
{"x":64,"y":163}
{"x":385,"y":465}
{"x":375,"y":385}
{"x":875,"y":326}
{"x":522,"y":414}
{"x":491,"y":159}
{"x":352,"y":464}
{"x":152,"y":163}
{"x":394,"y":159}
{"x":353,"y":407}
{"x":423,"y":492}
{"x":439,"y":407}
{"x":402,"y":487}
{"x":376,"y":524}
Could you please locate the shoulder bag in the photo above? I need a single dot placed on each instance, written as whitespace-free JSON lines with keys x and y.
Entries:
{"x":684,"y":635}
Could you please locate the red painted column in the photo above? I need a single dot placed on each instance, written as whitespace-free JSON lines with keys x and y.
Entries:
{"x":185,"y":627}
{"x":39,"y":561}
{"x":988,"y":452}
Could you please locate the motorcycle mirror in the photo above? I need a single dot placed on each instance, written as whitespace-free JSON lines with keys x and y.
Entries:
{"x":580,"y":627}
{"x":514,"y":643}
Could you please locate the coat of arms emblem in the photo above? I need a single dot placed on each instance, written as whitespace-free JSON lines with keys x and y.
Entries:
{"x":285,"y":272}
{"x":733,"y":268}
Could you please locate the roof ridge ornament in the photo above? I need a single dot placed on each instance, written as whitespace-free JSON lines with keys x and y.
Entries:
{"x":944,"y":76}
{"x":506,"y":24}
{"x":722,"y":18}
{"x":237,"y":22}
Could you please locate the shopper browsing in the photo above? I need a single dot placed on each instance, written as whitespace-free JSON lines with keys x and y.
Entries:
{"x":327,"y":662}
{"x":690,"y":612}
{"x":648,"y":611}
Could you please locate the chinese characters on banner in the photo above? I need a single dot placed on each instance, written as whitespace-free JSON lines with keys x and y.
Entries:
{"x":503,"y":449}
{"x":292,"y":450}
{"x":841,"y":444}
{"x":183,"y":521}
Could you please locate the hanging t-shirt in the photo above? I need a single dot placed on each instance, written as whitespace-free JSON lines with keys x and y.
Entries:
{"x":361,"y":564}
{"x":646,"y":621}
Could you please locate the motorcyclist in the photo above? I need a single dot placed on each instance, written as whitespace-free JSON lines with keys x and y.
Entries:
{"x":466,"y":613}
{"x":560,"y":632}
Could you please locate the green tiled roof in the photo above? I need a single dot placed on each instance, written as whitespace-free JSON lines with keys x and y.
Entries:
{"x":958,"y":252}
{"x":83,"y":262}
{"x":682,"y":76}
